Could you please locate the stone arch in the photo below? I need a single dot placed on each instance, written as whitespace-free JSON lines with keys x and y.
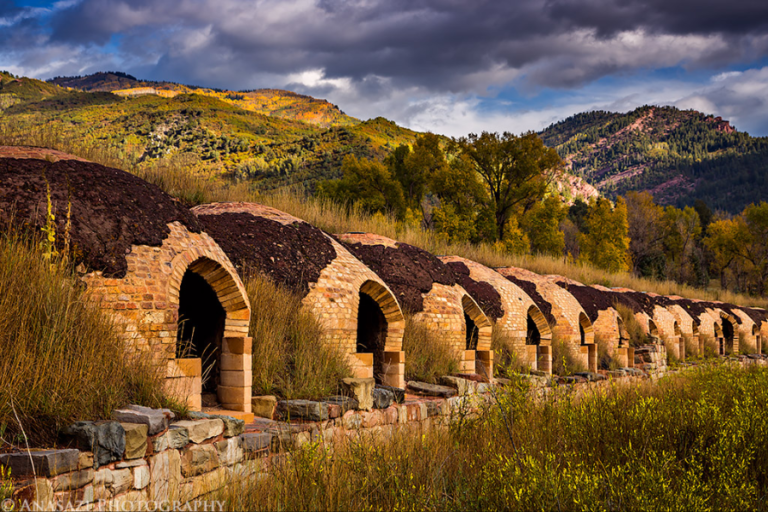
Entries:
{"x":587,"y":336}
{"x":758,"y":339}
{"x":538,"y":340}
{"x":653,"y":331}
{"x":198,"y":271}
{"x":478,"y":334}
{"x":698,"y":341}
{"x":379,"y":333}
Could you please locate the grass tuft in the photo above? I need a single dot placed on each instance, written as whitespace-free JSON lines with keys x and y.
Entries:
{"x":290,"y":359}
{"x":427,"y":357}
{"x":60,"y":356}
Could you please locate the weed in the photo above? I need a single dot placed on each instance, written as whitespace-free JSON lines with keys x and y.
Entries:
{"x":427,"y":356}
{"x":290,"y":358}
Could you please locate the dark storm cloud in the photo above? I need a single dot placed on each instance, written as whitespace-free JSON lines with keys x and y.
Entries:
{"x":430,"y":43}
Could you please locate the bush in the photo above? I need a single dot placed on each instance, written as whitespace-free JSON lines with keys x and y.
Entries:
{"x":506,"y":361}
{"x":61,"y":359}
{"x":290,"y":359}
{"x":427,"y":356}
{"x":634,"y":330}
{"x":564,"y":361}
{"x":711,"y":348}
{"x":604,"y":359}
{"x":683,"y":443}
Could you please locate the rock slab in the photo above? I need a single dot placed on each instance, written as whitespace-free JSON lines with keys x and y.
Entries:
{"x":45,"y":463}
{"x":361,"y":390}
{"x":302,"y":410}
{"x":105,"y":439}
{"x":423,"y":388}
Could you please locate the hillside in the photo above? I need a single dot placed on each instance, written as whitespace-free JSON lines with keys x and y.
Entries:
{"x":271,"y":102}
{"x":679,"y":156}
{"x":212,"y":135}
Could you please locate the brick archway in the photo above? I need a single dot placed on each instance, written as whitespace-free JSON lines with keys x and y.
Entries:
{"x":234,"y":360}
{"x":588,"y":347}
{"x":482,"y":351}
{"x":387,"y":364}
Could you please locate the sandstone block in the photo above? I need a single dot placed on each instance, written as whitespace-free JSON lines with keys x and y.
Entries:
{"x":165,"y":475}
{"x":85,"y":460}
{"x":174,"y":438}
{"x":264,"y":406}
{"x":239,"y":378}
{"x":105,"y":439}
{"x":351,"y":420}
{"x":235,"y":362}
{"x":382,"y":398}
{"x":73,"y":480}
{"x":135,"y":440}
{"x":237,"y":345}
{"x":199,"y":459}
{"x":230,"y":451}
{"x":201,"y":430}
{"x":423,"y":388}
{"x":344,"y":403}
{"x":361,"y":390}
{"x":255,"y":442}
{"x":232,"y":426}
{"x":155,"y":420}
{"x":302,"y":409}
{"x":141,"y":477}
{"x":42,"y":462}
{"x":462,"y":386}
{"x":234,"y":395}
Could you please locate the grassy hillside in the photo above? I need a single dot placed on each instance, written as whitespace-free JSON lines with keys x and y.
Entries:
{"x":679,"y":156}
{"x":271,"y":102}
{"x":214,"y":136}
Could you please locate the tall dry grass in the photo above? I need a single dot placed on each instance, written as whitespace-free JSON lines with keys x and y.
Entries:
{"x":61,"y":359}
{"x":180,"y":176}
{"x":688,"y":442}
{"x":290,"y":359}
{"x":564,"y":360}
{"x":427,"y":356}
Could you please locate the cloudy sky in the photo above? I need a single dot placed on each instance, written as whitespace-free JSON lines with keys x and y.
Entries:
{"x":449,"y":66}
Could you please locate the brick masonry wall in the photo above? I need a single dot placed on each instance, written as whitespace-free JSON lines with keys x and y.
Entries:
{"x":443,"y":315}
{"x":568,"y":313}
{"x":145,"y":305}
{"x":335,"y":300}
{"x":516,"y":304}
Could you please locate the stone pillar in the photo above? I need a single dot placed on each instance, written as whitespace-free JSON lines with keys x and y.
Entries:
{"x":484,"y":363}
{"x":544,"y":360}
{"x":394,"y":369}
{"x":234,"y":392}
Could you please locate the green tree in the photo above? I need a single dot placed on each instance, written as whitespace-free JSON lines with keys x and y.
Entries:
{"x":542,"y":225}
{"x":368,"y":183}
{"x":606,"y":245}
{"x":517,"y":170}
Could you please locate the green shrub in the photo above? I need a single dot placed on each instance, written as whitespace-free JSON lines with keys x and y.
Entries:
{"x":290,"y":359}
{"x":687,"y":442}
{"x":427,"y":356}
{"x":564,"y":361}
{"x":506,"y":361}
{"x":61,"y":359}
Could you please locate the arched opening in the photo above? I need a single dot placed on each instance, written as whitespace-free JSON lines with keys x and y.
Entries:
{"x":371,"y":332}
{"x":728,"y":334}
{"x":538,"y":341}
{"x":587,"y":337}
{"x":533,"y":336}
{"x":472,"y":332}
{"x":653,"y":331}
{"x":201,"y":331}
{"x":758,"y":341}
{"x":626,"y":354}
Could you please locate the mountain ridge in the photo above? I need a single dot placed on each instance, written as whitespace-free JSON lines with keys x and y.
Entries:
{"x":677,"y":155}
